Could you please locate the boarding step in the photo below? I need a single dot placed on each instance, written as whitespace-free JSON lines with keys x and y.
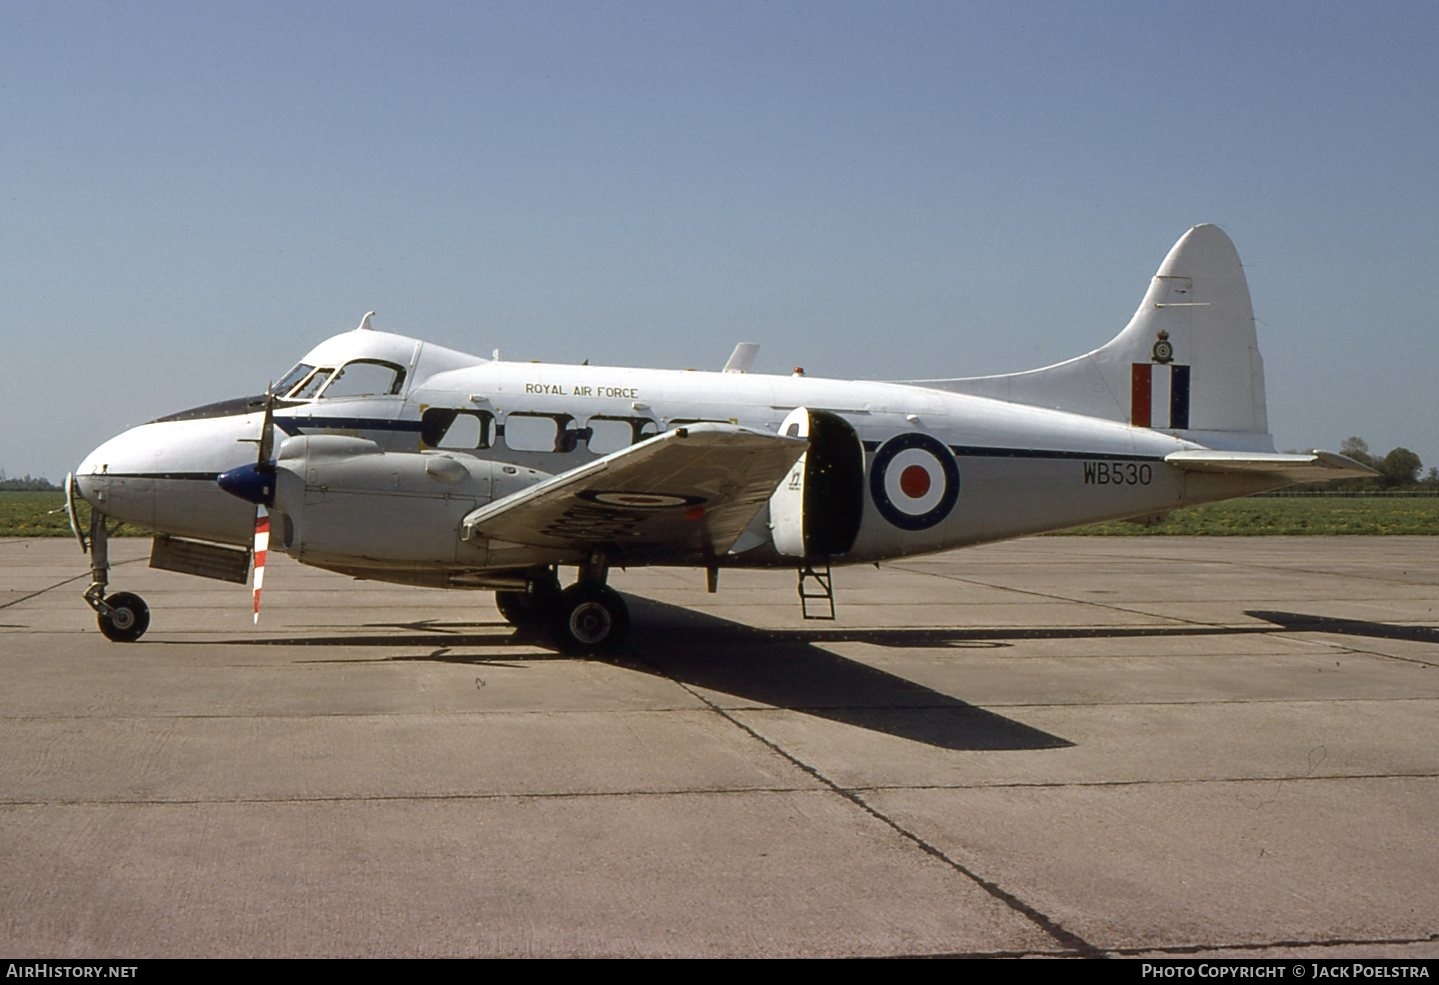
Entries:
{"x":816,"y":586}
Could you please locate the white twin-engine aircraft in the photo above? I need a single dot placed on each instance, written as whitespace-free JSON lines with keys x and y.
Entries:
{"x":403,"y":461}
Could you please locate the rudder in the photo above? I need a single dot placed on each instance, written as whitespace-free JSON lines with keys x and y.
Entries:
{"x":1187,"y":362}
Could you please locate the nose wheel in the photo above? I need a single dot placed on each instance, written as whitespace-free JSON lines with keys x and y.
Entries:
{"x":123,"y":617}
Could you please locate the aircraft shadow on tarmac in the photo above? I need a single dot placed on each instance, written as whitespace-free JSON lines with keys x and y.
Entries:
{"x":1300,"y":622}
{"x":788,"y":669}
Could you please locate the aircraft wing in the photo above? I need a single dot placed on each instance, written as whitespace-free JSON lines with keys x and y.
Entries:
{"x":1317,"y":466}
{"x":687,"y":491}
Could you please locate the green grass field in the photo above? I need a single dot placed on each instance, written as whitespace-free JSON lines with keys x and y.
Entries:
{"x":33,"y":514}
{"x":42,"y":515}
{"x":1262,"y":516}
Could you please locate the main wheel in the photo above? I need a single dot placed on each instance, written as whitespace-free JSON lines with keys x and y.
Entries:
{"x":589,"y":619}
{"x":528,"y":608}
{"x":128,"y":619}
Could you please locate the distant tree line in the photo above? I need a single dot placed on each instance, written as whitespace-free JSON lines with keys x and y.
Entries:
{"x":1399,"y":470}
{"x":27,"y":484}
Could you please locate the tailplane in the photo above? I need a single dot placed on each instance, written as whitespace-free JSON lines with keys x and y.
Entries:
{"x":1188,"y":362}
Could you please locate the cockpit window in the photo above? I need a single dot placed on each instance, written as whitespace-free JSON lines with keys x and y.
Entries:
{"x":312,"y":385}
{"x":290,"y":379}
{"x":365,"y":378}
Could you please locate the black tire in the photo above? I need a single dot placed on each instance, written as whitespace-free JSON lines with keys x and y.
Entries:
{"x":128,"y":619}
{"x":515,"y":608}
{"x":589,"y":619}
{"x":531,"y":607}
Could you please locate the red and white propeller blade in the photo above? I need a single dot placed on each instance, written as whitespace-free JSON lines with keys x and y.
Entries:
{"x":262,"y":515}
{"x":262,"y":547}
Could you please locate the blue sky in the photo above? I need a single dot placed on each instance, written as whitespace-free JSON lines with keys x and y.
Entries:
{"x":194,"y":194}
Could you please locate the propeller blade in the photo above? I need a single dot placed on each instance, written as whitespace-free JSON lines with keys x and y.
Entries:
{"x":256,"y":483}
{"x":265,"y":472}
{"x":262,"y":547}
{"x":267,"y":428}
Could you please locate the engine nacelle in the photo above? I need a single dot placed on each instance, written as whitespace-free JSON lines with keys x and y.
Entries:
{"x":345,"y":501}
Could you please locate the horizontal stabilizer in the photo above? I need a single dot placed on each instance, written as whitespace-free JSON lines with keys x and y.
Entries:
{"x":690,"y":490}
{"x":1316,"y":466}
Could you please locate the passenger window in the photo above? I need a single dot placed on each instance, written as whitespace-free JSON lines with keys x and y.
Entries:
{"x":531,"y":432}
{"x":609,"y":434}
{"x":569,"y":436}
{"x":465,"y":430}
{"x":365,"y":378}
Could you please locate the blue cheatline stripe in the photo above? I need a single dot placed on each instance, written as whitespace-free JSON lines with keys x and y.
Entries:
{"x":975,"y":451}
{"x":294,"y":425}
{"x":187,"y":476}
{"x":1179,"y":398}
{"x":979,"y":451}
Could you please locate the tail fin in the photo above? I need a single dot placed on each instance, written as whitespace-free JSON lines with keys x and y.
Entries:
{"x":1187,"y":363}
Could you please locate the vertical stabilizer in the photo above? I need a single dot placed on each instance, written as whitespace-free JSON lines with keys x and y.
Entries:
{"x":1187,"y":363}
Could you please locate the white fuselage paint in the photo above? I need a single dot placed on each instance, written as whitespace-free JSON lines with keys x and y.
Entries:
{"x":1021,"y":469}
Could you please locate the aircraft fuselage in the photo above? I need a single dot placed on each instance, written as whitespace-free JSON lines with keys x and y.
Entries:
{"x":387,"y":457}
{"x":1012,"y":470}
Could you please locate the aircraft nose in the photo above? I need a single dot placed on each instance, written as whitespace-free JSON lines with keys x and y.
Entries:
{"x":162,"y":475}
{"x":89,"y":484}
{"x":112,"y":478}
{"x":122,"y":454}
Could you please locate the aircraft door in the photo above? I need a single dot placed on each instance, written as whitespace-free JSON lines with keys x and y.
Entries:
{"x":816,"y":511}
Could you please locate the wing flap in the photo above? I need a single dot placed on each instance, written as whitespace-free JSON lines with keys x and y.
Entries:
{"x":690,"y":490}
{"x":1316,"y":466}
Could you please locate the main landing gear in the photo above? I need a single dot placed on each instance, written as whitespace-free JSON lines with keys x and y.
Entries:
{"x":527,"y":608}
{"x":124,"y":616}
{"x":588,"y":617}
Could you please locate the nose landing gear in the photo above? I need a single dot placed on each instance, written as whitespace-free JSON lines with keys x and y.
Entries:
{"x":124,"y":616}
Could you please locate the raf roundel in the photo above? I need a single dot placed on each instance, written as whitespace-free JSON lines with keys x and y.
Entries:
{"x":914,"y":481}
{"x":640,"y":500}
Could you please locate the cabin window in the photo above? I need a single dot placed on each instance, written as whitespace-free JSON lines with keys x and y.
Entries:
{"x":461,"y":430}
{"x":610,"y":434}
{"x":532,"y":432}
{"x":365,"y":378}
{"x":569,"y":436}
